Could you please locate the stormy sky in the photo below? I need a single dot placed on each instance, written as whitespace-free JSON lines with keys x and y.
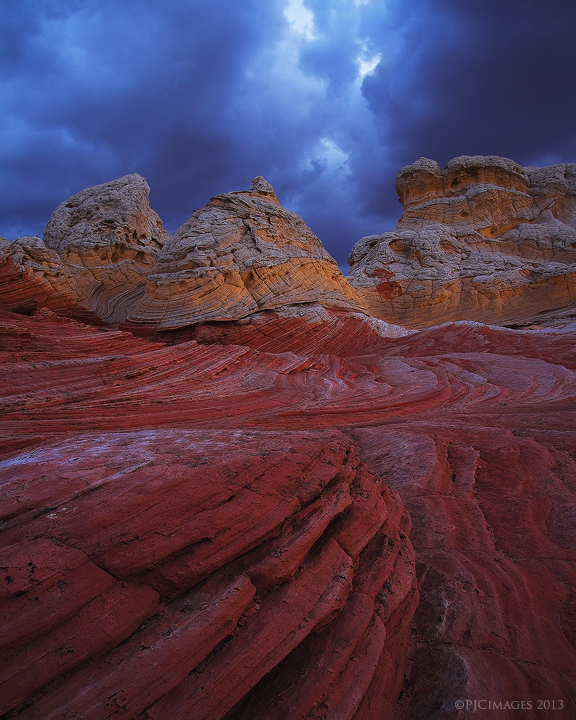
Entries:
{"x":327,"y":99}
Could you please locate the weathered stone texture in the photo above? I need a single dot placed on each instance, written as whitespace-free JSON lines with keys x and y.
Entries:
{"x":483,"y":239}
{"x":240,"y":254}
{"x":98,"y":250}
{"x":302,"y":512}
{"x":155,"y":569}
{"x":212,"y":500}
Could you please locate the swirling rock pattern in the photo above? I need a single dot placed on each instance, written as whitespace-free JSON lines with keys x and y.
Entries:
{"x":273,"y":505}
{"x":240,"y":516}
{"x":240,"y":254}
{"x":184,"y":568}
{"x":98,"y":249}
{"x":32,"y":276}
{"x":484,"y":239}
{"x":242,"y":270}
{"x":307,"y":328}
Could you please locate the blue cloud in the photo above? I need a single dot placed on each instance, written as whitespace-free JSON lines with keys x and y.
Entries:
{"x":325,"y":98}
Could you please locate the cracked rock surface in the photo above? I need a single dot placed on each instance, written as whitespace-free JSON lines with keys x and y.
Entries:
{"x":169,"y":569}
{"x":240,"y":254}
{"x":303,"y":511}
{"x":98,"y":249}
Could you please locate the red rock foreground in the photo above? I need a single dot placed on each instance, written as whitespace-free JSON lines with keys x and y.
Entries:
{"x":176,"y":571}
{"x":273,"y":505}
{"x":195,"y":531}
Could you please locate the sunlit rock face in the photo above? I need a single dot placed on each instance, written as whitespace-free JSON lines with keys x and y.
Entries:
{"x":245,"y":270}
{"x":484,"y":239}
{"x":32,"y":275}
{"x":240,"y":254}
{"x":97,"y":252}
{"x":241,"y":270}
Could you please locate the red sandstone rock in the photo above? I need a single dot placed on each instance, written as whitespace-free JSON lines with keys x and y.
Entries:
{"x":252,"y":539}
{"x":94,"y":629}
{"x":219,"y":531}
{"x":493,"y":534}
{"x":305,"y":329}
{"x":471,"y":425}
{"x":155,"y":659}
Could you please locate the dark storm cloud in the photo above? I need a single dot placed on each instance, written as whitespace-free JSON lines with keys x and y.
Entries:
{"x":102,"y":89}
{"x":489,"y":78}
{"x":326,"y":99}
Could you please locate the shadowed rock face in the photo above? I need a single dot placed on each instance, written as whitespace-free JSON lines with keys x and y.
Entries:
{"x":189,"y":568}
{"x":232,"y":522}
{"x":483,"y":239}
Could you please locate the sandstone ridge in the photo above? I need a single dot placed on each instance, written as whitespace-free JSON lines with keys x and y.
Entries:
{"x":218,"y":532}
{"x":237,"y":268}
{"x":189,"y":569}
{"x":280,"y":507}
{"x":484,"y":239}
{"x":240,"y":254}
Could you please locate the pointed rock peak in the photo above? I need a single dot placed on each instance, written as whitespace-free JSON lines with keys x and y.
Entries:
{"x":261,"y":186}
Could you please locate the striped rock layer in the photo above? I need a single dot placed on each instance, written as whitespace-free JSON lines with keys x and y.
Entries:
{"x":158,"y":567}
{"x":484,"y":239}
{"x":98,"y":249}
{"x":240,"y":254}
{"x":241,"y":269}
{"x":288,"y":510}
{"x":215,"y":531}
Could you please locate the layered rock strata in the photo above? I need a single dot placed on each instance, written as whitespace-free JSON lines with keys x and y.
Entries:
{"x":307,"y":328}
{"x":216,"y":492}
{"x":496,"y":549}
{"x":296,"y":513}
{"x":240,"y":254}
{"x":242,"y":269}
{"x":484,"y":239}
{"x":94,"y":260}
{"x":182,"y":572}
